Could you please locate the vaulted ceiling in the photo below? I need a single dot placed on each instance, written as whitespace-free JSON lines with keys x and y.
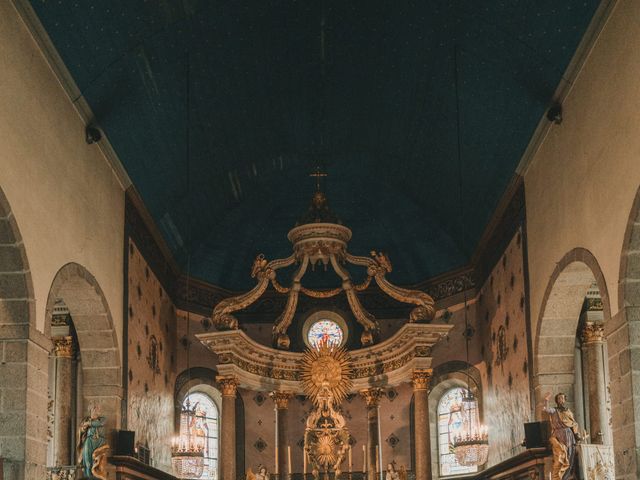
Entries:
{"x":220,"y":110}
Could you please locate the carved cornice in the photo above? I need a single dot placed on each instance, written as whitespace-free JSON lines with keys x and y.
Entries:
{"x":421,"y":379}
{"x":593,"y":333}
{"x":281,"y":399}
{"x":389,"y":363}
{"x":228,"y":385}
{"x":594,"y":304}
{"x":63,"y":346}
{"x":372,"y":396}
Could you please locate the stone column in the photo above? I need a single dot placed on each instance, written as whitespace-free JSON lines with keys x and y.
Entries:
{"x":281,"y":400}
{"x":63,"y":357}
{"x":421,"y":441}
{"x":593,"y":344}
{"x":229,"y":387}
{"x":372,"y":399}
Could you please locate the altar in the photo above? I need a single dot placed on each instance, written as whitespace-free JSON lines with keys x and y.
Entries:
{"x":404,"y":357}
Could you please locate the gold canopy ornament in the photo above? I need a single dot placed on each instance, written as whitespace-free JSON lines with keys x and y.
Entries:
{"x":321,"y":239}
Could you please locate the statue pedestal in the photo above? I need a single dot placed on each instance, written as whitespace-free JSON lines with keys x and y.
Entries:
{"x":596,"y":461}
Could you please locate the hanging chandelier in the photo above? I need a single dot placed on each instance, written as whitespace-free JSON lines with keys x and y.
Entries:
{"x":471,"y":445}
{"x":187,"y":449}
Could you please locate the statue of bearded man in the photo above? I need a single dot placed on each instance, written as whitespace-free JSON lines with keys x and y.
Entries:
{"x":564,"y":436}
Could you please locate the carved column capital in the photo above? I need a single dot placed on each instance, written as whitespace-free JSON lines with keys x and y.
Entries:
{"x":593,"y":333}
{"x":281,"y":399}
{"x":228,"y":386}
{"x":372,"y":396}
{"x":63,"y":346}
{"x":421,"y":379}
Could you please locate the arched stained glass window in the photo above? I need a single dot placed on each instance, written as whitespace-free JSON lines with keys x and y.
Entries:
{"x":206,"y":425}
{"x":325,"y":330}
{"x":450,"y":423}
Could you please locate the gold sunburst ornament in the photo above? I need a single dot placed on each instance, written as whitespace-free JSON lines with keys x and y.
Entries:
{"x":326,"y":367}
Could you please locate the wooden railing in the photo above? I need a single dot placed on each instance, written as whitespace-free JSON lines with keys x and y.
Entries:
{"x":528,"y":465}
{"x":130,"y":468}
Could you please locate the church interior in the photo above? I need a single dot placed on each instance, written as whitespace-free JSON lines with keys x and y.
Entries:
{"x":295,"y":240}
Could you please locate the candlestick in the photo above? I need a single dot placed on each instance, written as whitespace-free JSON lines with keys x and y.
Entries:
{"x":304,"y":461}
{"x":289,"y":458}
{"x":364,"y":459}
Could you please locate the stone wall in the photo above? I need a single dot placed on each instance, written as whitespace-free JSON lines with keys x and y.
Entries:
{"x":152,"y":358}
{"x":501,"y":313}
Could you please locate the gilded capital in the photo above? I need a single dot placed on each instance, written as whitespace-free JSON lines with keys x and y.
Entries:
{"x":63,"y":346}
{"x":228,"y":386}
{"x":593,"y":333}
{"x":281,"y":399}
{"x":372,"y":396}
{"x":421,"y":379}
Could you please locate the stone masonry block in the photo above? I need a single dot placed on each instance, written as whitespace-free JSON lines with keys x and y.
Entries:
{"x":13,"y":286}
{"x":10,"y":259}
{"x":99,"y":358}
{"x":14,"y":311}
{"x":15,"y":351}
{"x":12,"y":399}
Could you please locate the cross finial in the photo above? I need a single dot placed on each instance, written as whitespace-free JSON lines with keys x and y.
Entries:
{"x":318,"y":174}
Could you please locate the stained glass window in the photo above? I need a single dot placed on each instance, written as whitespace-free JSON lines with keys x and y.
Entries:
{"x":325,"y":330}
{"x":450,"y":423}
{"x":206,"y":426}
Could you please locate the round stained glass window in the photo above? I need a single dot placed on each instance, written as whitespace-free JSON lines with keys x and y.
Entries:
{"x":325,"y":330}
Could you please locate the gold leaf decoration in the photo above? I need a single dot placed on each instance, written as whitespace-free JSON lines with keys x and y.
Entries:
{"x":326,"y":366}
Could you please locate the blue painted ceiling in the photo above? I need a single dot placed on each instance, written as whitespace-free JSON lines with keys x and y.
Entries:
{"x":225,"y":174}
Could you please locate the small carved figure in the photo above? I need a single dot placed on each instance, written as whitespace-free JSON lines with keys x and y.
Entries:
{"x":250,"y":475}
{"x":262,"y":474}
{"x":564,"y":436}
{"x":392,"y":474}
{"x":259,"y":265}
{"x":382,"y":260}
{"x":92,"y":445}
{"x":403,"y":473}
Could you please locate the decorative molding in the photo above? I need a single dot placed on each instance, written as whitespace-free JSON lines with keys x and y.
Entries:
{"x":386,"y":364}
{"x":372,"y":396}
{"x":281,"y":399}
{"x":63,"y":346}
{"x":228,"y":385}
{"x":421,"y":379}
{"x":593,"y":333}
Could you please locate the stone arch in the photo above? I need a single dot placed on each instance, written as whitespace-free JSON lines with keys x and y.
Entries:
{"x":24,"y":351}
{"x":623,"y":340}
{"x":101,"y":368}
{"x":555,"y":338}
{"x":446,"y":376}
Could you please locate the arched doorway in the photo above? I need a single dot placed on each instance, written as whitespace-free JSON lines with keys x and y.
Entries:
{"x":567,"y":359}
{"x":80,"y":325}
{"x":23,"y":410}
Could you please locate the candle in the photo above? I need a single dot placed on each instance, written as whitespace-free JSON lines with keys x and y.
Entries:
{"x":350,"y":460}
{"x":364,"y":459}
{"x":304,"y":461}
{"x":289,"y":458}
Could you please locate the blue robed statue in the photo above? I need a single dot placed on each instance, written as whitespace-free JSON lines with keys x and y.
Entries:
{"x":92,"y":445}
